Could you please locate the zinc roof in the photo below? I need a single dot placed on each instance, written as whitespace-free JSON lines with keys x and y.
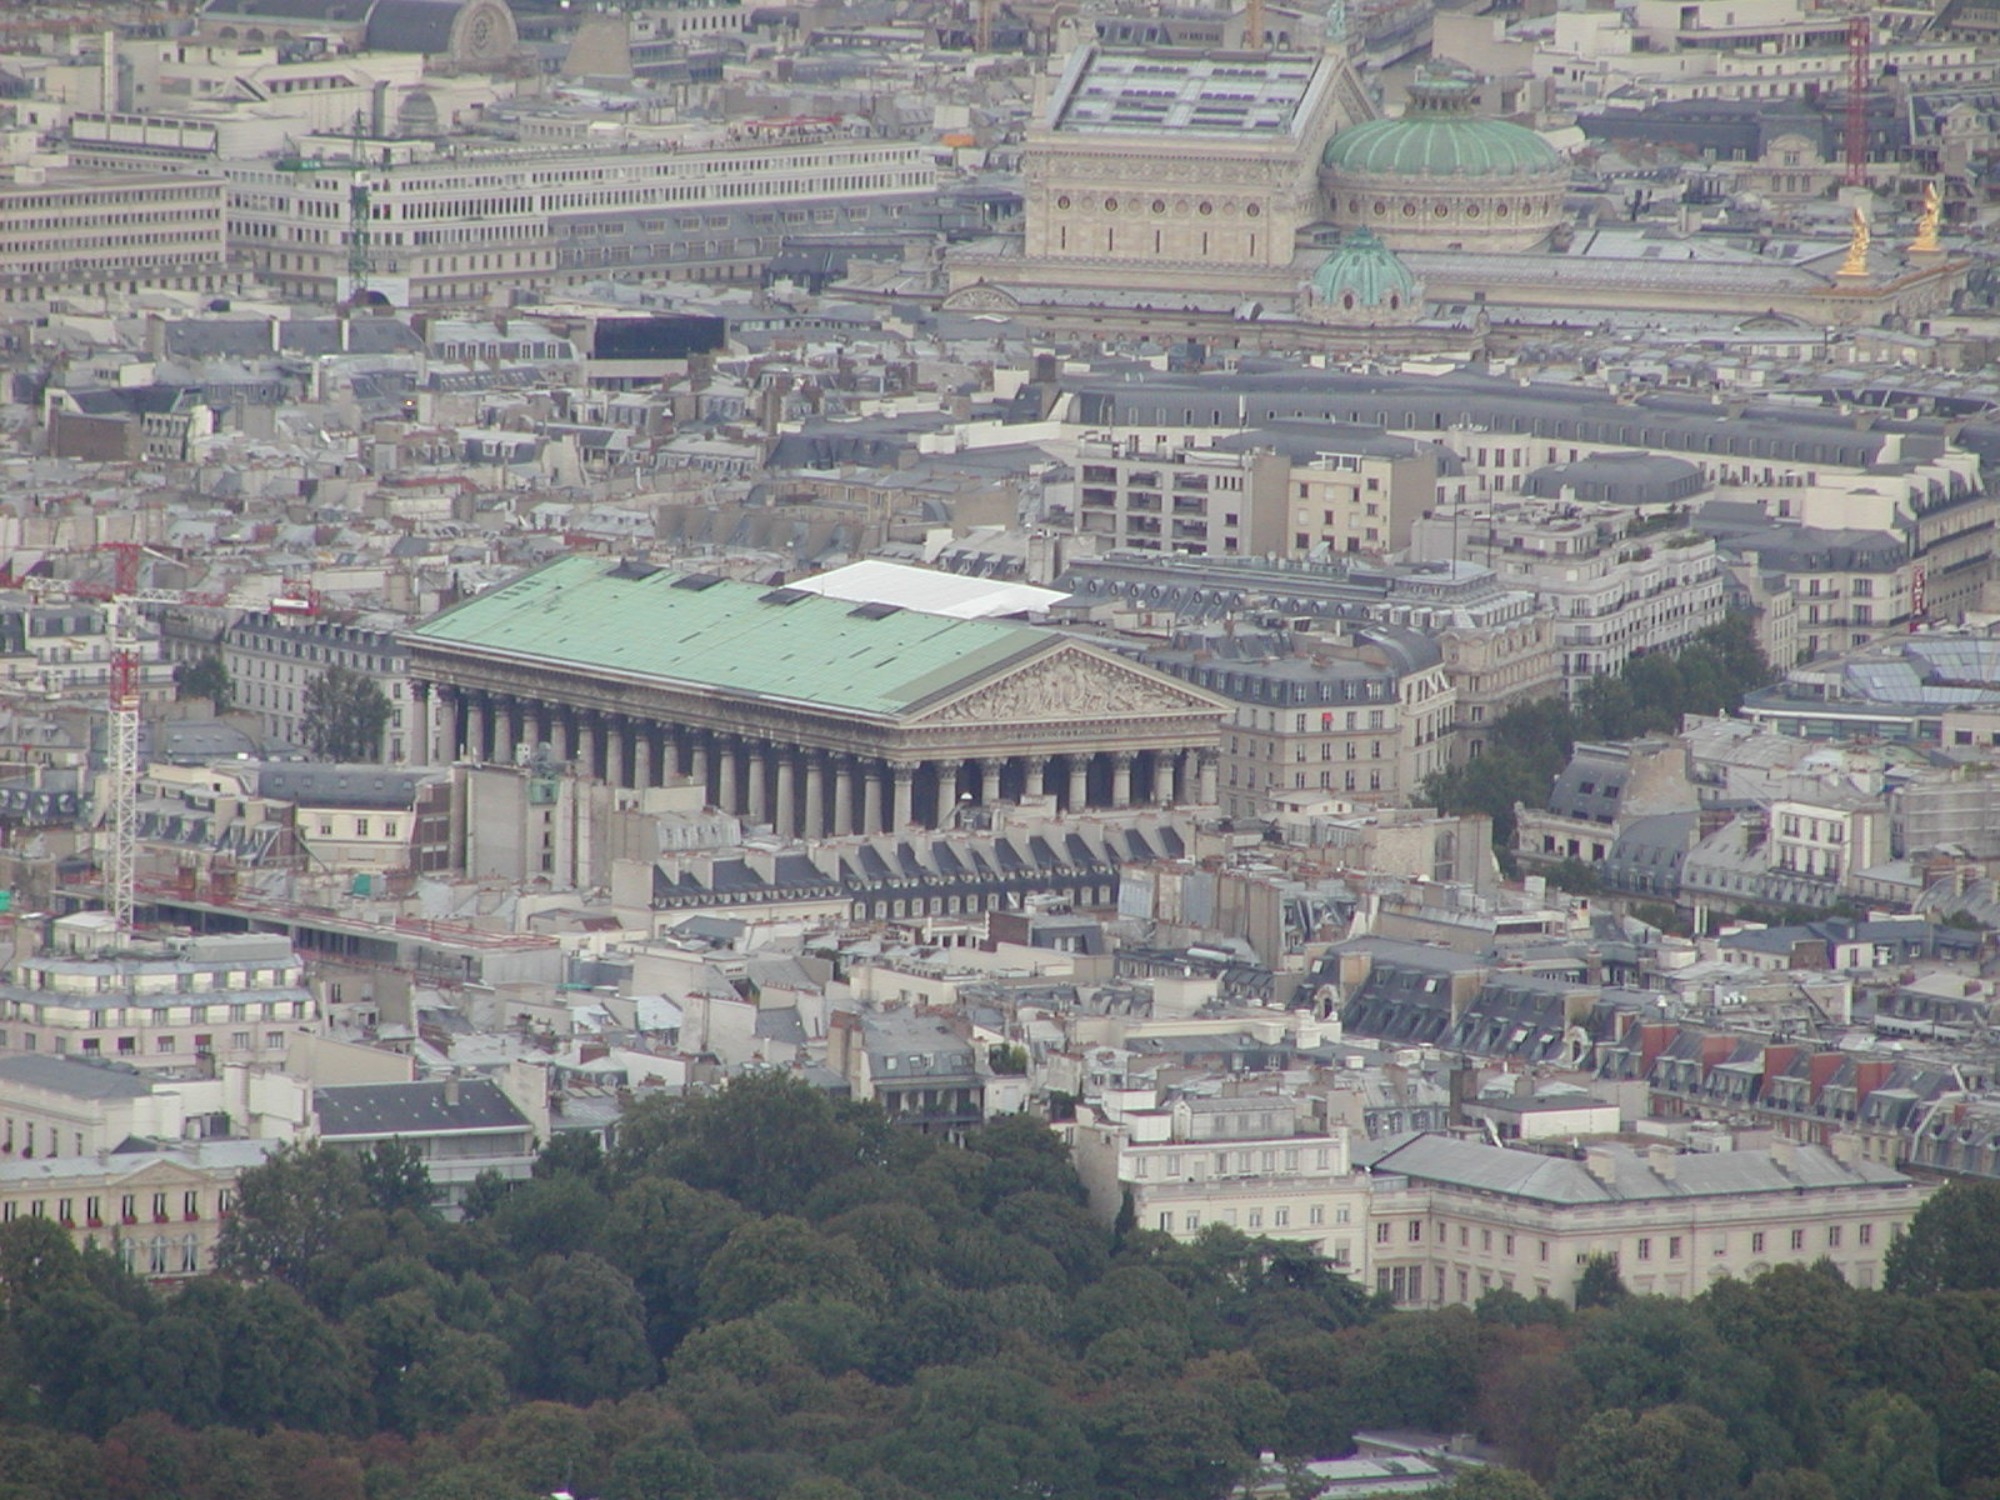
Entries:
{"x":739,"y":638}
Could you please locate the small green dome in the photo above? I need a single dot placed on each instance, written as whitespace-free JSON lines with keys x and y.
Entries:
{"x":1441,"y":137}
{"x":1368,"y":270}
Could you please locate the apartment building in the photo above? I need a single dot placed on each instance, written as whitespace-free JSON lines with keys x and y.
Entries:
{"x":365,"y":819}
{"x":1848,"y":588}
{"x":65,"y":648}
{"x":459,"y":1128}
{"x":1450,"y":1220}
{"x":1193,"y":501}
{"x":1619,"y":586}
{"x":1497,"y":666}
{"x":68,"y":233}
{"x":272,"y":658}
{"x":1826,"y":830}
{"x":1351,"y":489}
{"x":1321,"y":492}
{"x":53,"y":1106}
{"x":1364,"y":718}
{"x":1253,"y":1163}
{"x":159,"y":1211}
{"x":444,"y":229}
{"x":193,"y":1002}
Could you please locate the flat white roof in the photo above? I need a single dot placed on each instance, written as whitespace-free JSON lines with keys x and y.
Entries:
{"x":1146,"y":93}
{"x":930,"y":592}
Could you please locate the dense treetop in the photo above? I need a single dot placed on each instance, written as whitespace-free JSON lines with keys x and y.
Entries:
{"x":1528,"y":746}
{"x":769,"y":1295}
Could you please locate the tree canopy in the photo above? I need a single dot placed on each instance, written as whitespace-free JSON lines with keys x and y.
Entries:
{"x":206,"y":678}
{"x":766,"y":1294}
{"x":1528,"y":745}
{"x":343,"y":716}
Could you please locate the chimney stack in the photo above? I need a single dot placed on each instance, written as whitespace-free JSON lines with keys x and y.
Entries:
{"x":451,"y":1092}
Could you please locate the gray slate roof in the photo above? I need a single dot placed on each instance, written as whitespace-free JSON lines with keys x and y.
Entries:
{"x":366,"y":1110}
{"x":1560,"y":1180}
{"x":80,"y":1080}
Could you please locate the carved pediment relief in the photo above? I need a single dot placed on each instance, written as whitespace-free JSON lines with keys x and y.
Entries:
{"x":1071,"y":685}
{"x":982,"y":298}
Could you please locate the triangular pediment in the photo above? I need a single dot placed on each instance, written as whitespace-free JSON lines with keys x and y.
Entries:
{"x":1074,"y":684}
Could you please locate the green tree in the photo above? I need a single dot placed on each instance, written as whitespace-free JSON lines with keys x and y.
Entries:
{"x":556,"y":1215}
{"x":343,"y":715}
{"x":1888,"y":1450}
{"x":984,"y":1434}
{"x":666,"y":1466}
{"x":1162,"y":1443}
{"x":1790,"y":1484}
{"x":662,"y":1234}
{"x":1491,"y":1484}
{"x":37,"y":1257}
{"x":36,"y":1464}
{"x":1600,"y":1284}
{"x":207,"y":678}
{"x":779,"y":1258}
{"x":1969,"y":1430}
{"x":580,"y":1333}
{"x":573,"y":1153}
{"x":1669,"y":1453}
{"x":1952,"y":1244}
{"x":289,"y":1212}
{"x":1532,"y":1399}
{"x":284,"y":1367}
{"x":459,"y":1376}
{"x":768,"y":1140}
{"x":395,"y":1177}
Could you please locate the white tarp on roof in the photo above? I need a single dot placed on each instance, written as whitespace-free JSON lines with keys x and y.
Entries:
{"x":930,"y":592}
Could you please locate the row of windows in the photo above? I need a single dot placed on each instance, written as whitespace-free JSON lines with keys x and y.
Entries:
{"x":1177,"y":1164}
{"x":1281,"y":1218}
{"x":163,"y":1046}
{"x":128,"y":1208}
{"x":1674,"y":1245}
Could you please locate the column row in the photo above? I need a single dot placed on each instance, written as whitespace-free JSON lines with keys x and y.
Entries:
{"x":802,"y":791}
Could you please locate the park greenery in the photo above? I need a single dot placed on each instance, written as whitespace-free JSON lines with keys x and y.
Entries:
{"x":771,"y":1295}
{"x":342,"y":716}
{"x":1527,"y":746}
{"x":207,"y":678}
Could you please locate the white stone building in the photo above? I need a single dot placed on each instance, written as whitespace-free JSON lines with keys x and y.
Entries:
{"x":1252,"y":1163}
{"x":1450,"y":1220}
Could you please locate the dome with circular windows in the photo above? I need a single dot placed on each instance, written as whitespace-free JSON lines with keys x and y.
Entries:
{"x":1362,"y":282}
{"x":1440,"y":176}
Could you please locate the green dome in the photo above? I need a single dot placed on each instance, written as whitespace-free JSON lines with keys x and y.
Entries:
{"x":1367,"y":269}
{"x":1440,"y":146}
{"x":1441,"y":137}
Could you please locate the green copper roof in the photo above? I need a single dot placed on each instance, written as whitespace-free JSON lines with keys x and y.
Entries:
{"x":1363,"y":265}
{"x":1440,"y":145}
{"x":736,"y":638}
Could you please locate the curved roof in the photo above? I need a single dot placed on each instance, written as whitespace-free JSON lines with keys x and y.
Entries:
{"x":1441,"y":145}
{"x":412,"y":25}
{"x":1363,"y":266}
{"x":1619,"y":478}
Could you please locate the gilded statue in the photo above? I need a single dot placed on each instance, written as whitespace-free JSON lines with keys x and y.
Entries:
{"x":1856,"y":263}
{"x":1926,"y":242}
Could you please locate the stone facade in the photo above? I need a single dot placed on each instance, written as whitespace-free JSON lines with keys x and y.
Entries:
{"x":1201,"y":192}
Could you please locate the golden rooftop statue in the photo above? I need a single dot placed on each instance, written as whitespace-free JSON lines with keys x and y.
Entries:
{"x":1856,"y":263}
{"x":1926,"y":242}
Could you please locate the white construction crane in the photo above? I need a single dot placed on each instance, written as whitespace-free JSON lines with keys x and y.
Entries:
{"x":122,"y":759}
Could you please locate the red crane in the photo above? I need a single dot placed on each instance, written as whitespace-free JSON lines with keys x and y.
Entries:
{"x":1858,"y":72}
